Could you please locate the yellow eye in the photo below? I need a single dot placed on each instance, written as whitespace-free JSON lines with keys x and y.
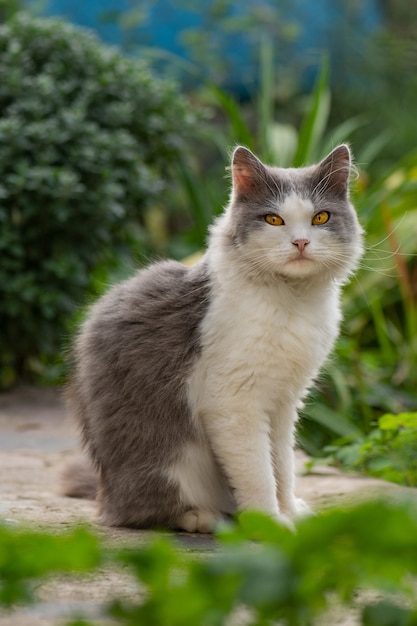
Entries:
{"x":274,"y":220}
{"x":321,"y":218}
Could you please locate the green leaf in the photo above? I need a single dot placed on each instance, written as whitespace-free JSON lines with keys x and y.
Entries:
{"x":314,"y":123}
{"x":334,"y":421}
{"x":26,"y":555}
{"x":257,"y":526}
{"x":402,"y":420}
{"x":240,"y":129}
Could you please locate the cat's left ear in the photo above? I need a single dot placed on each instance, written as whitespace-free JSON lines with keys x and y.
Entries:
{"x":334,"y":171}
{"x":248,"y":172}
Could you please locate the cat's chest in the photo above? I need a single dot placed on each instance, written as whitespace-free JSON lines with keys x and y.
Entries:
{"x":266,"y":339}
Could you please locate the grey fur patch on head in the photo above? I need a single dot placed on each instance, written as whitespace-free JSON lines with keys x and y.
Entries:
{"x":259,"y":188}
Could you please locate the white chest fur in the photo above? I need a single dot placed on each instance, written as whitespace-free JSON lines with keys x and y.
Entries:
{"x":261,"y":347}
{"x":263,"y":343}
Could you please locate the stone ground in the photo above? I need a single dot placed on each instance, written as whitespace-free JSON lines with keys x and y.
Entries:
{"x":37,"y":439}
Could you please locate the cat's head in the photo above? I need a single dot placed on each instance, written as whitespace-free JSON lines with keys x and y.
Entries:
{"x":295,"y":223}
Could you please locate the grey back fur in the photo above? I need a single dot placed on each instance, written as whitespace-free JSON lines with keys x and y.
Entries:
{"x":128,"y":392}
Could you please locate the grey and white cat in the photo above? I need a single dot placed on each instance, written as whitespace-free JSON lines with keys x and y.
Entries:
{"x":188,"y":379}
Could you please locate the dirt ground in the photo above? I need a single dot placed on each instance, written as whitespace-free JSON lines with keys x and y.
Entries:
{"x":37,"y":439}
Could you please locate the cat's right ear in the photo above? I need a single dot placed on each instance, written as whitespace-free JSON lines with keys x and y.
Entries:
{"x":247,"y":171}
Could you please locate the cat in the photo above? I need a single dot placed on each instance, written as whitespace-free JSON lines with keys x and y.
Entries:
{"x":188,"y":379}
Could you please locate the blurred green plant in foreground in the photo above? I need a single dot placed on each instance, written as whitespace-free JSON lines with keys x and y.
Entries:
{"x":260,"y":574}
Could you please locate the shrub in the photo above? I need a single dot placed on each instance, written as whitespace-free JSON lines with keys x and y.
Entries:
{"x":87,"y":141}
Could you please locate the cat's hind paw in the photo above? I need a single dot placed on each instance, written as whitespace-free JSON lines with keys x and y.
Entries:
{"x":198,"y":521}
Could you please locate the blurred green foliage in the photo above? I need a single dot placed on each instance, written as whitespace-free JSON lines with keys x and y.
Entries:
{"x":260,"y":574}
{"x":27,"y":556}
{"x":88,"y":139}
{"x":8,"y":8}
{"x":388,"y":451}
{"x":384,"y":84}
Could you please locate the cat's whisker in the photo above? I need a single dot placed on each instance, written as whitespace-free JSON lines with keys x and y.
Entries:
{"x":375,"y":250}
{"x":381,"y":272}
{"x":389,"y":255}
{"x":388,"y":236}
{"x":366,"y":263}
{"x":379,"y":259}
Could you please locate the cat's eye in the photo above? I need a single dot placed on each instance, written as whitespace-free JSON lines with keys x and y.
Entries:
{"x":321,"y":218}
{"x":274,"y":220}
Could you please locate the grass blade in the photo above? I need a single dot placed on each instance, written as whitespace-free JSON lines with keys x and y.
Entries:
{"x":314,"y":123}
{"x":240,"y":130}
{"x":332,"y":420}
{"x":266,"y":97}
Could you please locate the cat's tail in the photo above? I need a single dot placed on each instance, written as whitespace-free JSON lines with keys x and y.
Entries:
{"x":79,"y":480}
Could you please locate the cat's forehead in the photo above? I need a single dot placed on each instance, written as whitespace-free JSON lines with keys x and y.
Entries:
{"x":294,"y":205}
{"x":292,"y":181}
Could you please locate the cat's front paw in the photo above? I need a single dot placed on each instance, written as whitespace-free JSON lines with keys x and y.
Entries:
{"x":198,"y":521}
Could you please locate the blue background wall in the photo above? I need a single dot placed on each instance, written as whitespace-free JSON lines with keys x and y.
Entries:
{"x":340,"y":27}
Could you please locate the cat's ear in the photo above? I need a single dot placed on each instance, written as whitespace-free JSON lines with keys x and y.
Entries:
{"x":334,"y":171}
{"x":247,"y":171}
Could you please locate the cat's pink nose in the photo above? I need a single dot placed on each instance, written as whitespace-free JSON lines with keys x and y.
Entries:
{"x":300,"y":243}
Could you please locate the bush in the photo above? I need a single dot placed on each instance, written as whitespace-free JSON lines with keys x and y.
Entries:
{"x":87,"y":141}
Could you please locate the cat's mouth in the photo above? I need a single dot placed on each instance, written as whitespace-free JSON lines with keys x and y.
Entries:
{"x":300,"y":264}
{"x":297,"y":258}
